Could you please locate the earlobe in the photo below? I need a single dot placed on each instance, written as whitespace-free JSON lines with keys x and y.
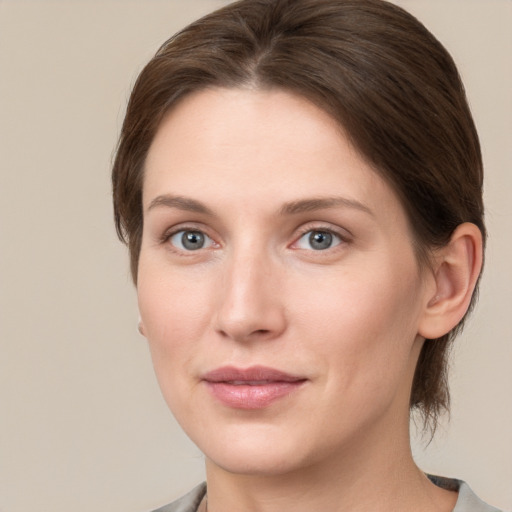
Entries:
{"x":140,"y":327}
{"x":457,"y":267}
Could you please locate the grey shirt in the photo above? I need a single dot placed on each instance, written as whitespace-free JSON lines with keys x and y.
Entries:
{"x":467,"y":501}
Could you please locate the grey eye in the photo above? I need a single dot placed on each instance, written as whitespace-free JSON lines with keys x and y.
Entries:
{"x":318,"y":240}
{"x":190,"y":240}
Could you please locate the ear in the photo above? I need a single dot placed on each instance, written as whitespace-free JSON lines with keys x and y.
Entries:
{"x":455,"y":273}
{"x":140,"y":327}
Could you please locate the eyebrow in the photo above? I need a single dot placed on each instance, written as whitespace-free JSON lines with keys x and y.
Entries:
{"x":321,"y":203}
{"x":291,"y":208}
{"x":181,"y":203}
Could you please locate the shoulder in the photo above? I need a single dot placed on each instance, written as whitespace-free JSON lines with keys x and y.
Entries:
{"x":187,"y":503}
{"x":467,"y":501}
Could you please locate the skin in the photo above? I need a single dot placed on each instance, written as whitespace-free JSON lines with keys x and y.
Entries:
{"x":350,"y":319}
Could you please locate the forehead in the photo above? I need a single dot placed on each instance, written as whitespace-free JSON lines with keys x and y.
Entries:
{"x":253,"y":146}
{"x":224,"y":118}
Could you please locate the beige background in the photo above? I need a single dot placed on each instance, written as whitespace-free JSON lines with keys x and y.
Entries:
{"x":82,"y":423}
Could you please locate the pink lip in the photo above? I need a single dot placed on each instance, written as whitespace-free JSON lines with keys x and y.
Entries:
{"x":251,"y":388}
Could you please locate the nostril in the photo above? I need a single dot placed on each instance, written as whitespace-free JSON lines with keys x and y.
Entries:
{"x":246,"y":321}
{"x":255,"y":334}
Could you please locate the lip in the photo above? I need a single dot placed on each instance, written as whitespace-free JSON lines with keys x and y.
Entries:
{"x":256,"y":387}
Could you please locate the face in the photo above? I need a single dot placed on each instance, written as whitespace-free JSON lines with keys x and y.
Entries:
{"x":277,"y":283}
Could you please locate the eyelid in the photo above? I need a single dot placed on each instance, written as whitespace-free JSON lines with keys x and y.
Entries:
{"x":191,"y":226}
{"x":208,"y":241}
{"x":184,"y":226}
{"x":342,"y":234}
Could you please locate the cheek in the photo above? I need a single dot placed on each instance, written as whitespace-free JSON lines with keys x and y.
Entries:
{"x":174,"y":312}
{"x":364,"y":298}
{"x":363,"y":321}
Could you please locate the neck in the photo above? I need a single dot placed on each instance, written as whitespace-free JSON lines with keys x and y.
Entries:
{"x":359,"y":479}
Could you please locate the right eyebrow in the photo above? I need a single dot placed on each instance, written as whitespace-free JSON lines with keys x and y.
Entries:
{"x":179,"y":202}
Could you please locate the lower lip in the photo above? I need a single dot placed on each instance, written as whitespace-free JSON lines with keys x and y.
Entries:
{"x":252,"y":397}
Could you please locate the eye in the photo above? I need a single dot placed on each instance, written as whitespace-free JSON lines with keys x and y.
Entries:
{"x":318,"y":240}
{"x":190,"y":240}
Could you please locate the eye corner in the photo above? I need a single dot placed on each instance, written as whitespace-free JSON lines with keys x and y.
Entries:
{"x":188,"y":240}
{"x":319,"y":239}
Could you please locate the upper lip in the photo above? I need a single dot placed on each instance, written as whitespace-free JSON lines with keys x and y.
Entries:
{"x":252,"y":375}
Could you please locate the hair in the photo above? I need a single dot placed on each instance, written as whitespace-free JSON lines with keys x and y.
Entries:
{"x":377,"y":71}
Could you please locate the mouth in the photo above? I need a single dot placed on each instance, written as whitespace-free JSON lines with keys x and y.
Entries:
{"x":256,"y":387}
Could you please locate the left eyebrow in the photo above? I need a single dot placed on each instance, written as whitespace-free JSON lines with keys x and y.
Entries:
{"x":321,"y":203}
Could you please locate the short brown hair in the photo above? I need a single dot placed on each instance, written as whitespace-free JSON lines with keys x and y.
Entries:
{"x":376,"y":70}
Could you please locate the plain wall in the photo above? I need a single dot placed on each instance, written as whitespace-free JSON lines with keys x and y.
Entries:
{"x":82,"y":424}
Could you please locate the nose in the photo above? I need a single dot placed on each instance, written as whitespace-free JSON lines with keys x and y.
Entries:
{"x":250,"y":303}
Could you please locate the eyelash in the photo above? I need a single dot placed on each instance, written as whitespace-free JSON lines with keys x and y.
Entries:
{"x":168,"y":235}
{"x":309,"y":229}
{"x":341,"y":238}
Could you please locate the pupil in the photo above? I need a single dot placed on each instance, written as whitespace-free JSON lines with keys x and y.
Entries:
{"x":320,"y":240}
{"x":192,"y":240}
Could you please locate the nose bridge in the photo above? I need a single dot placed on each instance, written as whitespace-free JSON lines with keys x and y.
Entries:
{"x":249,"y":305}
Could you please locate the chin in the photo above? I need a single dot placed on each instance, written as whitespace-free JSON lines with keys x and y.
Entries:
{"x":255,"y":462}
{"x":263,"y":453}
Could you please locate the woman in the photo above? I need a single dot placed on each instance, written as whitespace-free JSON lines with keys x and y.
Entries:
{"x":300,"y":187}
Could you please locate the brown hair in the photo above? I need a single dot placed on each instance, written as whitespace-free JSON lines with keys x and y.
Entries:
{"x":376,"y":70}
